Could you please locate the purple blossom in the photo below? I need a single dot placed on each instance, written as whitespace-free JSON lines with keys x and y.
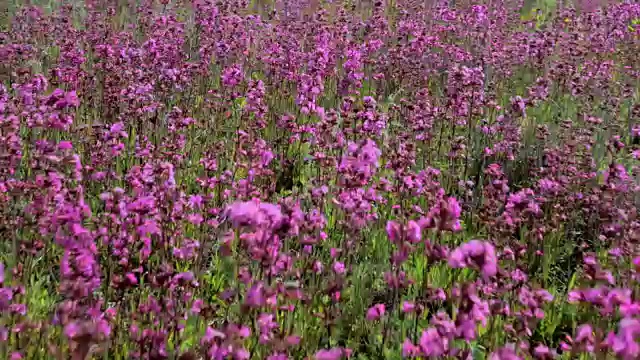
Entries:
{"x":476,"y":253}
{"x":505,"y":353}
{"x":375,"y":312}
{"x":330,"y":354}
{"x":230,"y":165}
{"x":433,"y":344}
{"x":254,"y":213}
{"x":408,"y":307}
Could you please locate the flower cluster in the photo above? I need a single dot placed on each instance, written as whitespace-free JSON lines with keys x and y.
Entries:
{"x":234,"y":179}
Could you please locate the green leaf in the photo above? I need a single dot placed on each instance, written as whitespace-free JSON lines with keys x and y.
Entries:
{"x":240,"y":102}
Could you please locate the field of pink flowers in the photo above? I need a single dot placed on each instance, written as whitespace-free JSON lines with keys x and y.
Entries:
{"x":316,"y":179}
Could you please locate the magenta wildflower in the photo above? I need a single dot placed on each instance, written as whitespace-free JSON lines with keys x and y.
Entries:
{"x":338,"y":268}
{"x":432,"y":343}
{"x":409,"y":349}
{"x":625,"y":344}
{"x":254,"y":213}
{"x":505,"y":353}
{"x":393,"y":231}
{"x":232,"y":76}
{"x":375,"y":312}
{"x":330,"y":354}
{"x":480,"y":254}
{"x":408,"y":307}
{"x":445,"y":216}
{"x":413,"y":232}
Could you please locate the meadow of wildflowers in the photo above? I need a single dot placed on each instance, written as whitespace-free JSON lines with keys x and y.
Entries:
{"x":316,"y":179}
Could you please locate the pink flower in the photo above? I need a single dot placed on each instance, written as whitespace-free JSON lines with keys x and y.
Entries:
{"x":254,"y":213}
{"x":375,"y":312}
{"x":480,"y":254}
{"x":232,"y":76}
{"x":408,"y":307}
{"x":65,"y":145}
{"x":413,"y":232}
{"x":330,"y":354}
{"x":394,"y":232}
{"x":278,"y":356}
{"x":196,"y":307}
{"x":624,"y":343}
{"x":241,"y":354}
{"x":292,"y":340}
{"x":255,"y":296}
{"x":409,"y":349}
{"x":433,"y":344}
{"x":244,"y":213}
{"x":542,"y":351}
{"x":444,"y":216}
{"x":505,"y":353}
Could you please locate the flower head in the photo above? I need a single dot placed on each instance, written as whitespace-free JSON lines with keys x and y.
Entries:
{"x":480,"y":254}
{"x":375,"y":312}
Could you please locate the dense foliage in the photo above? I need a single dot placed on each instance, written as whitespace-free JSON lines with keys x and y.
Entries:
{"x":315,"y":179}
